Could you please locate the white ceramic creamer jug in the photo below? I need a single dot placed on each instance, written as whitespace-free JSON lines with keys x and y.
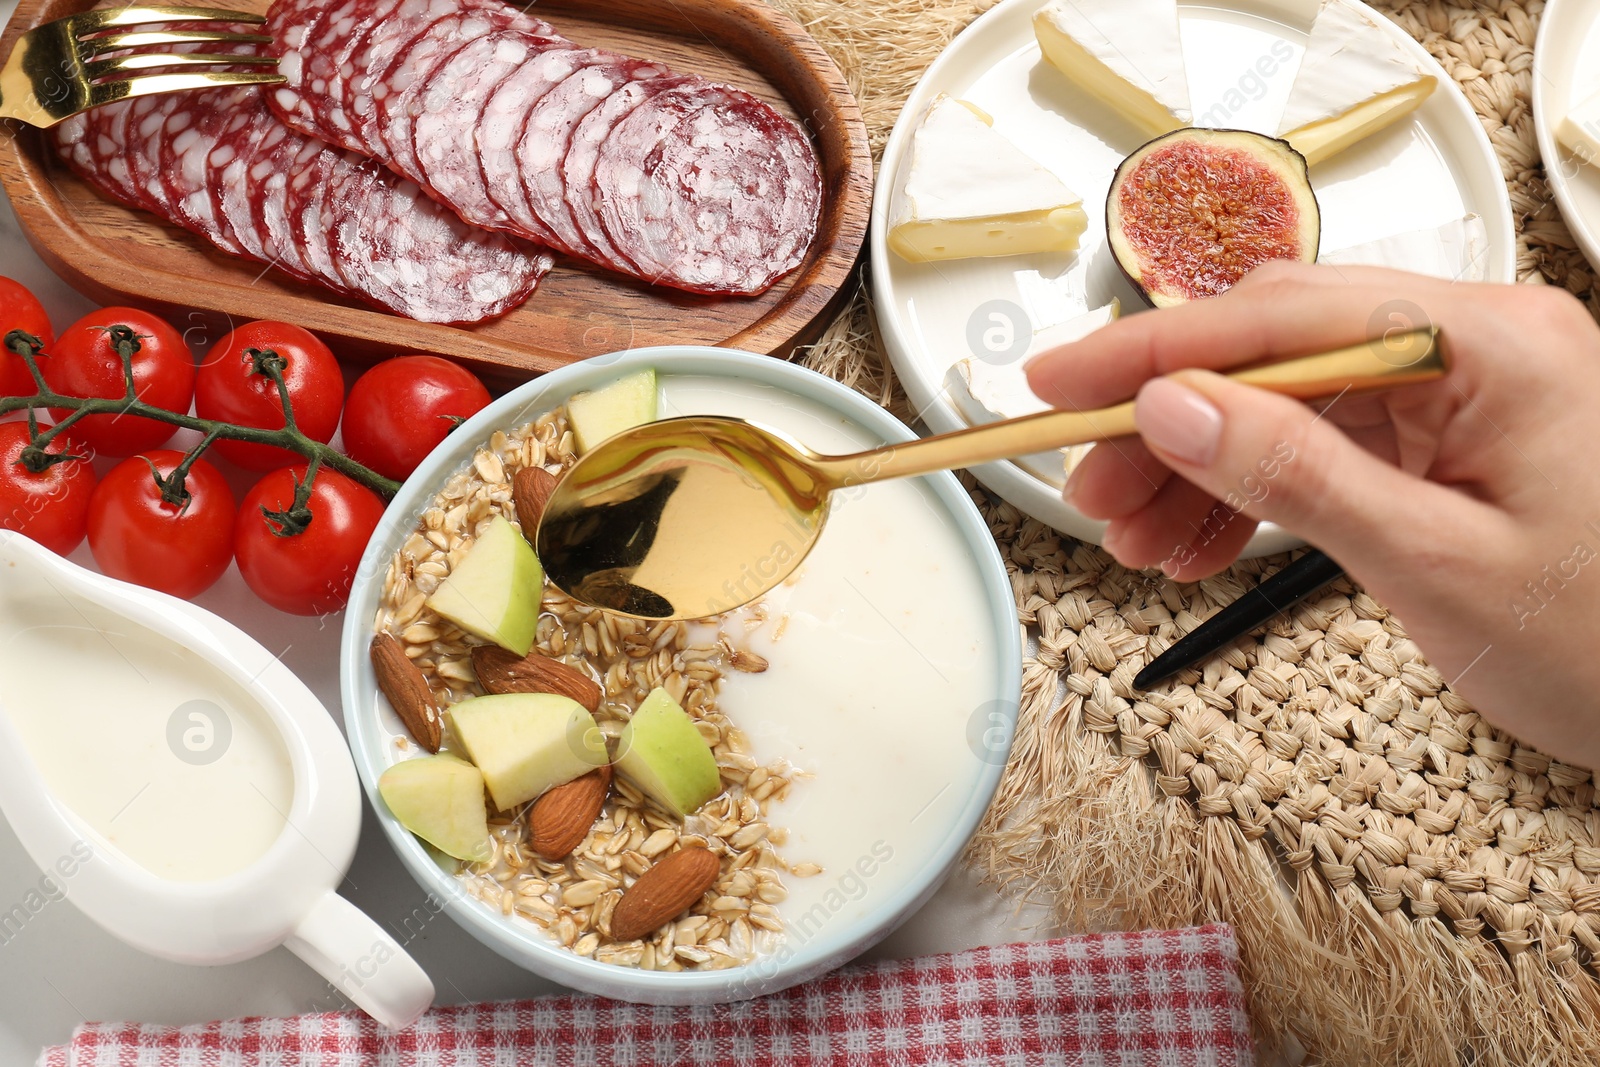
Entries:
{"x":184,"y":788}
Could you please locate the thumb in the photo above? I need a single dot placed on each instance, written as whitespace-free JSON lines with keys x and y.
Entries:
{"x":1278,"y":461}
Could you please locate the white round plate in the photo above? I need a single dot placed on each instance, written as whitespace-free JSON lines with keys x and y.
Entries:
{"x":1427,"y":170}
{"x":1566,"y":71}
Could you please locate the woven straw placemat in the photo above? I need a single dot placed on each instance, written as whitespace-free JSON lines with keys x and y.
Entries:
{"x":1408,"y":884}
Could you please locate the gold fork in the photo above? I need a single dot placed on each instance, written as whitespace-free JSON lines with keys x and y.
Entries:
{"x":61,"y":68}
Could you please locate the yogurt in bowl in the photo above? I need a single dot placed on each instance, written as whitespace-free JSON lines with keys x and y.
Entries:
{"x":860,"y":714}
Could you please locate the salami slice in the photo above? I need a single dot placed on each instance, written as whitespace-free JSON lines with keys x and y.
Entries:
{"x":577,"y":170}
{"x":448,"y":110}
{"x":143,"y":135}
{"x":499,"y":132}
{"x":76,"y":137}
{"x":548,"y":134}
{"x":410,"y":74}
{"x":268,"y":179}
{"x":396,"y":246}
{"x":309,"y":38}
{"x":185,"y":141}
{"x":374,"y":52}
{"x":234,"y":134}
{"x":709,"y":189}
{"x":95,"y":145}
{"x":305,"y":194}
{"x":230,"y":163}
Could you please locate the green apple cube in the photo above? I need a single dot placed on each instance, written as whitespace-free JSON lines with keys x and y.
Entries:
{"x":525,"y":743}
{"x":662,"y":753}
{"x":622,"y":405}
{"x":440,"y":799}
{"x":496,"y":589}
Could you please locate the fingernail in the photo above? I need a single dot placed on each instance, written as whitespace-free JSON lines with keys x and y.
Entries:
{"x":1069,"y":491}
{"x":1111,"y":538}
{"x":1178,"y":421}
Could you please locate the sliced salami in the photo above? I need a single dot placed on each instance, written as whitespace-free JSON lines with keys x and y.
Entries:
{"x":395,"y":245}
{"x":333,"y":56}
{"x":95,"y":145}
{"x":577,"y":169}
{"x":304,"y":198}
{"x":499,"y":132}
{"x":268,"y":176}
{"x":309,"y":37}
{"x":449,"y":108}
{"x":410,"y":73}
{"x":185,"y":140}
{"x":262,"y":135}
{"x":709,"y":189}
{"x":364,"y":87}
{"x":548,"y":134}
{"x":143,"y":135}
{"x":235,"y":133}
{"x":76,"y":137}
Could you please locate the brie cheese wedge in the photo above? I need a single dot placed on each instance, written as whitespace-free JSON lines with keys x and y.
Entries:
{"x":970,"y":192}
{"x":1125,"y":53}
{"x":1458,"y":251}
{"x":1355,"y":80}
{"x":985,"y":392}
{"x":1579,"y":130}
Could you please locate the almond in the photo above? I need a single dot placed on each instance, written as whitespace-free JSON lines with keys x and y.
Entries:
{"x":403,"y":683}
{"x":561,"y":818}
{"x":530,"y":492}
{"x":664,"y":892}
{"x":500,"y":671}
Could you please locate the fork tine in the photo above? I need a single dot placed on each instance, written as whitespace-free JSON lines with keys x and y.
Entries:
{"x":114,"y":89}
{"x":144,"y":38}
{"x":152,"y":61}
{"x":134,"y":16}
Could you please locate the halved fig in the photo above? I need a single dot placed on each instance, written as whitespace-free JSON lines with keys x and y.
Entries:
{"x":1193,"y":211}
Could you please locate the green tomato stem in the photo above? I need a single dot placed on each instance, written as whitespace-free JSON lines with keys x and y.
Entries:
{"x":290,"y":437}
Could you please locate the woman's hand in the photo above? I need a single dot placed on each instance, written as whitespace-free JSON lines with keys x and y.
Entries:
{"x":1469,"y":506}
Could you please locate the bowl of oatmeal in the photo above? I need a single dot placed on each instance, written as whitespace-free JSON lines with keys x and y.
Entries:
{"x":858,"y":717}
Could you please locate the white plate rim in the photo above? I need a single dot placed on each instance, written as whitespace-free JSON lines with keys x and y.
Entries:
{"x":1556,"y":14}
{"x":1029,"y":494}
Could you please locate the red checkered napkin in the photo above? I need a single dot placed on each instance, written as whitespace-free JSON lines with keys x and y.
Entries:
{"x":1164,"y":998}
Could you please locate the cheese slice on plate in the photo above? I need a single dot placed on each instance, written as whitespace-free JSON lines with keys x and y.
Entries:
{"x":1125,"y":53}
{"x":1356,"y":79}
{"x":970,"y":192}
{"x":986,"y":392}
{"x":1579,"y":130}
{"x":1458,"y":251}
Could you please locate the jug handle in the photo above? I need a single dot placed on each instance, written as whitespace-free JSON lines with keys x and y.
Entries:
{"x":355,"y":954}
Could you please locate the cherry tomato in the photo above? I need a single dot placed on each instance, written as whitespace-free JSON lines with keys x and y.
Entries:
{"x":52,"y":507}
{"x":86,"y":363}
{"x":231,"y":387}
{"x":401,"y":409}
{"x":137,"y":536}
{"x":307,"y":572}
{"x":20,"y":310}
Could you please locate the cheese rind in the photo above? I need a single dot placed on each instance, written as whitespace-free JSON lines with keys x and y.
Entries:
{"x":970,"y":192}
{"x":1126,"y":53}
{"x":1354,"y":80}
{"x":1458,"y":251}
{"x":1579,"y":130}
{"x":984,"y":391}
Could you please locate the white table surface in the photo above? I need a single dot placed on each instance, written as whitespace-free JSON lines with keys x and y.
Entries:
{"x":60,"y":969}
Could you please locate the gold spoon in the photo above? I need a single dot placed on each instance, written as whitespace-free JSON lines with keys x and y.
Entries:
{"x":687,"y":518}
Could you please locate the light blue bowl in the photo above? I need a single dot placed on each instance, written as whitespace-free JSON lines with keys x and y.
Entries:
{"x":523,"y":943}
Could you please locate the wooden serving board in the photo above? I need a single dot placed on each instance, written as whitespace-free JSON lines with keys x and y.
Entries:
{"x":116,"y":254}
